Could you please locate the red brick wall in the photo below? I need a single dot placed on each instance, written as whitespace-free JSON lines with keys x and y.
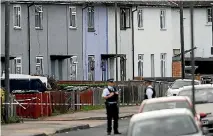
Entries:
{"x":176,"y":69}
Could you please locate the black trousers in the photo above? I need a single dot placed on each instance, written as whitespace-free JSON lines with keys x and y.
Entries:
{"x":112,"y":113}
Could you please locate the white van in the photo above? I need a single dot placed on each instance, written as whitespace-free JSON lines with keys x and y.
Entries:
{"x":23,"y":76}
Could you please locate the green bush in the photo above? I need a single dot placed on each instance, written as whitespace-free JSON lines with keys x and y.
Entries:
{"x":89,"y":85}
{"x":13,"y":119}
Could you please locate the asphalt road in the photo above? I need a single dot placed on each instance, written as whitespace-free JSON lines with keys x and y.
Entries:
{"x":97,"y":131}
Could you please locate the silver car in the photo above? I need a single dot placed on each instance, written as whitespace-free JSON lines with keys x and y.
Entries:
{"x":167,"y":122}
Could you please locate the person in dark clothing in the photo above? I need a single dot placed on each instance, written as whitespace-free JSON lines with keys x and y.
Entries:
{"x":149,"y":92}
{"x":110,"y":94}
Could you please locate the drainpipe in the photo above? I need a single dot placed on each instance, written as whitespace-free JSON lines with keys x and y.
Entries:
{"x":83,"y":38}
{"x":28,"y":35}
{"x":133,"y":45}
{"x":116,"y":40}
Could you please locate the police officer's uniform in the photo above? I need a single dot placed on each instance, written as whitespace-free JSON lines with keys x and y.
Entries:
{"x":149,"y":92}
{"x":111,"y":108}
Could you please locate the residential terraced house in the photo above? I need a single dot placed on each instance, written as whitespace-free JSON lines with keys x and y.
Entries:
{"x":79,"y":40}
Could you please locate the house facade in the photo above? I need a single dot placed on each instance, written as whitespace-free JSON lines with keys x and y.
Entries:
{"x":95,"y":39}
{"x":54,"y":45}
{"x":78,"y":41}
{"x":157,"y":40}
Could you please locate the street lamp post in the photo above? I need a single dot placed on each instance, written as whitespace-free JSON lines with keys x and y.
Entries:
{"x":192,"y":54}
{"x":182,"y":41}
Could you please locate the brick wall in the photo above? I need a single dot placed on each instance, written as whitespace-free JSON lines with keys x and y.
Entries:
{"x":176,"y":69}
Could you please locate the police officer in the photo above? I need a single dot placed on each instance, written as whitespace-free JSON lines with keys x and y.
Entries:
{"x":149,"y":92}
{"x":110,"y":94}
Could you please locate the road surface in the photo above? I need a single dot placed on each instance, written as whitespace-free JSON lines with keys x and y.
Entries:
{"x":97,"y":131}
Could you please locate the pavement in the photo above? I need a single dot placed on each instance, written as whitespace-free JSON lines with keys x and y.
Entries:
{"x":63,"y":123}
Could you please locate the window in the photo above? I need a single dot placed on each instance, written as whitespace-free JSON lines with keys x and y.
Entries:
{"x":17,"y":16}
{"x":39,"y":66}
{"x":209,"y":15}
{"x":140,"y":65}
{"x":152,"y":65}
{"x":91,"y":21}
{"x":140,"y":18}
{"x":176,"y":52}
{"x":91,"y":67}
{"x":38,"y":16}
{"x":124,"y":18}
{"x":18,"y":65}
{"x":72,"y":11}
{"x":162,"y":19}
{"x":123,"y":68}
{"x":73,"y":67}
{"x":163,"y":64}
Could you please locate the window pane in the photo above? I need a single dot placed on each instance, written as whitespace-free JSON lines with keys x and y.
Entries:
{"x":90,"y":17}
{"x":140,"y":18}
{"x":73,"y":23}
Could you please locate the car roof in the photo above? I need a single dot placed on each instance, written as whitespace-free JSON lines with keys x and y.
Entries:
{"x":160,"y":113}
{"x":187,"y":80}
{"x":201,"y":86}
{"x":165,"y":99}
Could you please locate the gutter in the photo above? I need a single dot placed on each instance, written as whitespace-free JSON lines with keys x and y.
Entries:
{"x":28,"y":35}
{"x":133,"y":45}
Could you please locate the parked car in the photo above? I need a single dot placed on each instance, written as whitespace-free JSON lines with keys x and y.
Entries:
{"x":204,"y":103}
{"x":173,"y":90}
{"x":168,"y":103}
{"x":167,"y":122}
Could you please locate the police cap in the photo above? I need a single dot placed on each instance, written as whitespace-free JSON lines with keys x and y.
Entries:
{"x":111,"y":80}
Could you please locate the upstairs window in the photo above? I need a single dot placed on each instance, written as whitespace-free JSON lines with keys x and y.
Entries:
{"x":209,"y":15}
{"x":17,"y":16}
{"x":140,"y":18}
{"x":38,"y":16}
{"x":124,"y":18}
{"x":72,"y":12}
{"x":91,"y":19}
{"x":163,"y":19}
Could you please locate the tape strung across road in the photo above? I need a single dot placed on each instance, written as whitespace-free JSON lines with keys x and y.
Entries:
{"x":68,"y":104}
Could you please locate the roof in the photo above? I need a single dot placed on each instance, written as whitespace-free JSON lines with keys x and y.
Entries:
{"x":160,"y":113}
{"x":201,"y":86}
{"x":170,"y":3}
{"x":165,"y":99}
{"x":187,"y":80}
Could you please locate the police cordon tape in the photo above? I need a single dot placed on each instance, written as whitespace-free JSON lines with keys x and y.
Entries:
{"x":66,"y":104}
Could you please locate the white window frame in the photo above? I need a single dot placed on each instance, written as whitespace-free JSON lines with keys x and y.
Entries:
{"x":209,"y":17}
{"x":40,"y":15}
{"x":91,"y":72}
{"x":73,"y":13}
{"x":140,"y":18}
{"x":125,"y":18}
{"x":152,"y":58}
{"x":176,"y":52}
{"x":91,"y":18}
{"x":140,"y":60}
{"x":18,"y":65}
{"x":17,"y":25}
{"x":73,"y":63}
{"x":40,"y":64}
{"x":163,"y":64}
{"x":162,"y":19}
